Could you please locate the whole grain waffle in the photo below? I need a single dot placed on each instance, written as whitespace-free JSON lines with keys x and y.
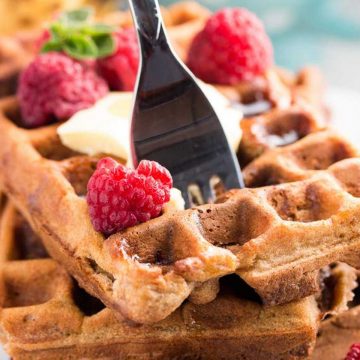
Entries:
{"x":268,"y":236}
{"x":163,"y":287}
{"x":45,"y":315}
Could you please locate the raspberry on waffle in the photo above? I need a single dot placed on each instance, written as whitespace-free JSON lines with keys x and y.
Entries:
{"x":56,"y":86}
{"x":233,"y":46}
{"x":45,"y":315}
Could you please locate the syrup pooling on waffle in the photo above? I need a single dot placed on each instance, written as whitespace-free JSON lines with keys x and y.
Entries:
{"x":296,"y":109}
{"x":44,"y":315}
{"x":276,"y":128}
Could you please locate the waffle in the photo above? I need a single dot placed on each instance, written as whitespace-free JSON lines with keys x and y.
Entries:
{"x":162,"y":286}
{"x":298,"y":161}
{"x":45,"y":315}
{"x":183,"y":254}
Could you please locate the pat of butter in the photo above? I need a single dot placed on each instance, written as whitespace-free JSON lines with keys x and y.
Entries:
{"x":105,"y":127}
{"x":102,"y":128}
{"x":176,"y":202}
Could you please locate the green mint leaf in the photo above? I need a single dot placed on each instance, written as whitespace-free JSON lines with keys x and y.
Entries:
{"x":80,"y":47}
{"x":57,"y":31}
{"x":52,"y":45}
{"x":81,"y":15}
{"x":97,"y":29}
{"x":105,"y":45}
{"x":74,"y":34}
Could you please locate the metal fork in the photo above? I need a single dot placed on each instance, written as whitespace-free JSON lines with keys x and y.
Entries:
{"x":173,"y":122}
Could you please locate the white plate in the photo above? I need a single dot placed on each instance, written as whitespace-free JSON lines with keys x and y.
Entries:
{"x":345,"y":108}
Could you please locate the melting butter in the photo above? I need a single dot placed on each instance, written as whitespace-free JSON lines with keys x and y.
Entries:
{"x":105,"y":127}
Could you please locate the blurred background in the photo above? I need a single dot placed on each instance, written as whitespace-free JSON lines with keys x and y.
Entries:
{"x":323,"y":32}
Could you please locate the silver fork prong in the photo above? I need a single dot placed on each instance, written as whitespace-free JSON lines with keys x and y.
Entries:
{"x":232,"y":182}
{"x":206,"y":191}
{"x":184,"y":193}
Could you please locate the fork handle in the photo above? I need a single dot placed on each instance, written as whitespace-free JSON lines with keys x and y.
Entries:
{"x":149,"y":24}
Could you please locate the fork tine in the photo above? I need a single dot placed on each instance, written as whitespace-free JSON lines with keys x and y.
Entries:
{"x":232,"y":182}
{"x":206,"y":191}
{"x":185,"y":194}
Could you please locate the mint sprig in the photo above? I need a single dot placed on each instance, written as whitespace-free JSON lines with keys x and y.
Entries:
{"x":75,"y":34}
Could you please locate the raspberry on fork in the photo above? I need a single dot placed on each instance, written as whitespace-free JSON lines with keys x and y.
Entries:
{"x":354,"y":352}
{"x":119,"y":197}
{"x":232,"y":47}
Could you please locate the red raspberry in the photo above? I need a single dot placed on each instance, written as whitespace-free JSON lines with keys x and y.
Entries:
{"x":354,"y":352}
{"x":232,"y":47}
{"x":120,"y":69}
{"x":56,"y":86}
{"x":119,"y":197}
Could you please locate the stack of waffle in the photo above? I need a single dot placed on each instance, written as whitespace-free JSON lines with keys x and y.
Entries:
{"x":249,"y":277}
